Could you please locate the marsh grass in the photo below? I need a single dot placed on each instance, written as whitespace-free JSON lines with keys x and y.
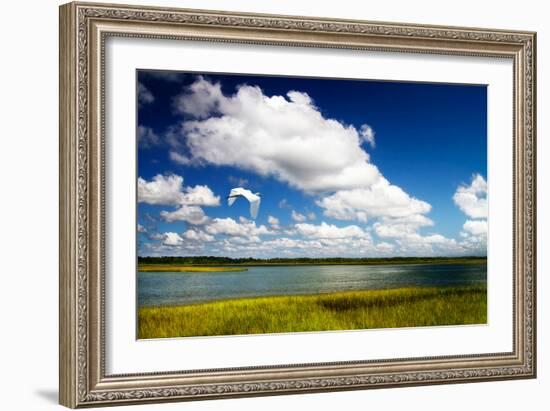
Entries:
{"x":391,"y":308}
{"x":174,"y":268}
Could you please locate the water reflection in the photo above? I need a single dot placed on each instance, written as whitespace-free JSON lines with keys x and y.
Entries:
{"x":162,"y":288}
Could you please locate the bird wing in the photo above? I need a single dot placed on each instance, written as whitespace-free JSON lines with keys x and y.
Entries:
{"x":249,"y":195}
{"x":254,"y":207}
{"x":233,"y":194}
{"x":252,"y":198}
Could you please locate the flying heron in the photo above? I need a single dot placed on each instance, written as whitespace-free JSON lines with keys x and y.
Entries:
{"x":253,"y":199}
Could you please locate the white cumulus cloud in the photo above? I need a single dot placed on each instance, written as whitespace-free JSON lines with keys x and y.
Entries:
{"x":285,"y":137}
{"x":433,"y":244}
{"x":161,"y":190}
{"x":201,"y":99}
{"x":288,"y":138}
{"x":475,"y":227}
{"x":381,"y":199}
{"x":472,"y":199}
{"x":385,"y":247}
{"x":401,"y":227}
{"x":189,"y":214}
{"x":298,"y":217}
{"x":228,"y":226}
{"x":200,"y":195}
{"x":172,"y":239}
{"x":273,"y":221}
{"x":169,"y":190}
{"x":330,"y":231}
{"x":367,"y":134}
{"x":197,"y":235}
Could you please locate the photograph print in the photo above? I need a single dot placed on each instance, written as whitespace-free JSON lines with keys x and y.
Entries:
{"x":278,"y":204}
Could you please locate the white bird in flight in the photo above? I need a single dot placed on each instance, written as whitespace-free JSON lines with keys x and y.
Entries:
{"x":253,"y":199}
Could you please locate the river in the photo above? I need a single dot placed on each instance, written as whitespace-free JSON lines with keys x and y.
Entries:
{"x":166,"y":288}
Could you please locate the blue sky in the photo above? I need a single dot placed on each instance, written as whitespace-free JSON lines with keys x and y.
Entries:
{"x":344,"y":167}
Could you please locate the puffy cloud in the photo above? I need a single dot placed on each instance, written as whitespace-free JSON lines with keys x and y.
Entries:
{"x":401,"y":227}
{"x":172,"y":239}
{"x":392,"y":231}
{"x":200,"y":196}
{"x":273,"y":221}
{"x":475,"y":227}
{"x":330,"y":231}
{"x":228,"y":226}
{"x":408,"y":241}
{"x":298,"y":217}
{"x":474,"y":244}
{"x":367,"y":134}
{"x":287,"y":138}
{"x":161,"y":190}
{"x":313,"y":247}
{"x":436,"y":239}
{"x":169,"y":190}
{"x":346,"y":246}
{"x":189,"y":214}
{"x":472,"y":199}
{"x":285,"y":242}
{"x":179,"y":158}
{"x":434,"y":244}
{"x":474,"y":236}
{"x":243,"y":240}
{"x":190,"y":242}
{"x":141,"y":229}
{"x":156,"y":236}
{"x":202,"y":99}
{"x":384,"y":247}
{"x":300,"y":99}
{"x":382,"y":199}
{"x":197,"y":235}
{"x":144,"y":95}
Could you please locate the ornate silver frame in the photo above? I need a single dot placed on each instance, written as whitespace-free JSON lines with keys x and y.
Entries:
{"x":83,"y":30}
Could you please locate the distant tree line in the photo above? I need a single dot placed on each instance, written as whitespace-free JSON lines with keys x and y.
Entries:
{"x":205,"y":260}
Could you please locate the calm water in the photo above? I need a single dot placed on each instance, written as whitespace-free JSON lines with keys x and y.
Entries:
{"x":185,"y":288}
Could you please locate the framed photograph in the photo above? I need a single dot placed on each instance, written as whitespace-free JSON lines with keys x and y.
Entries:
{"x":258,"y":204}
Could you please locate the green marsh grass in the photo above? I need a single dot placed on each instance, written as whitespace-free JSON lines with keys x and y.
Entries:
{"x":390,"y":308}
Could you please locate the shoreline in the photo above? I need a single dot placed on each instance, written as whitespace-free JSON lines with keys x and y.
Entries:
{"x":174,"y":268}
{"x":320,"y":294}
{"x":165,"y":265}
